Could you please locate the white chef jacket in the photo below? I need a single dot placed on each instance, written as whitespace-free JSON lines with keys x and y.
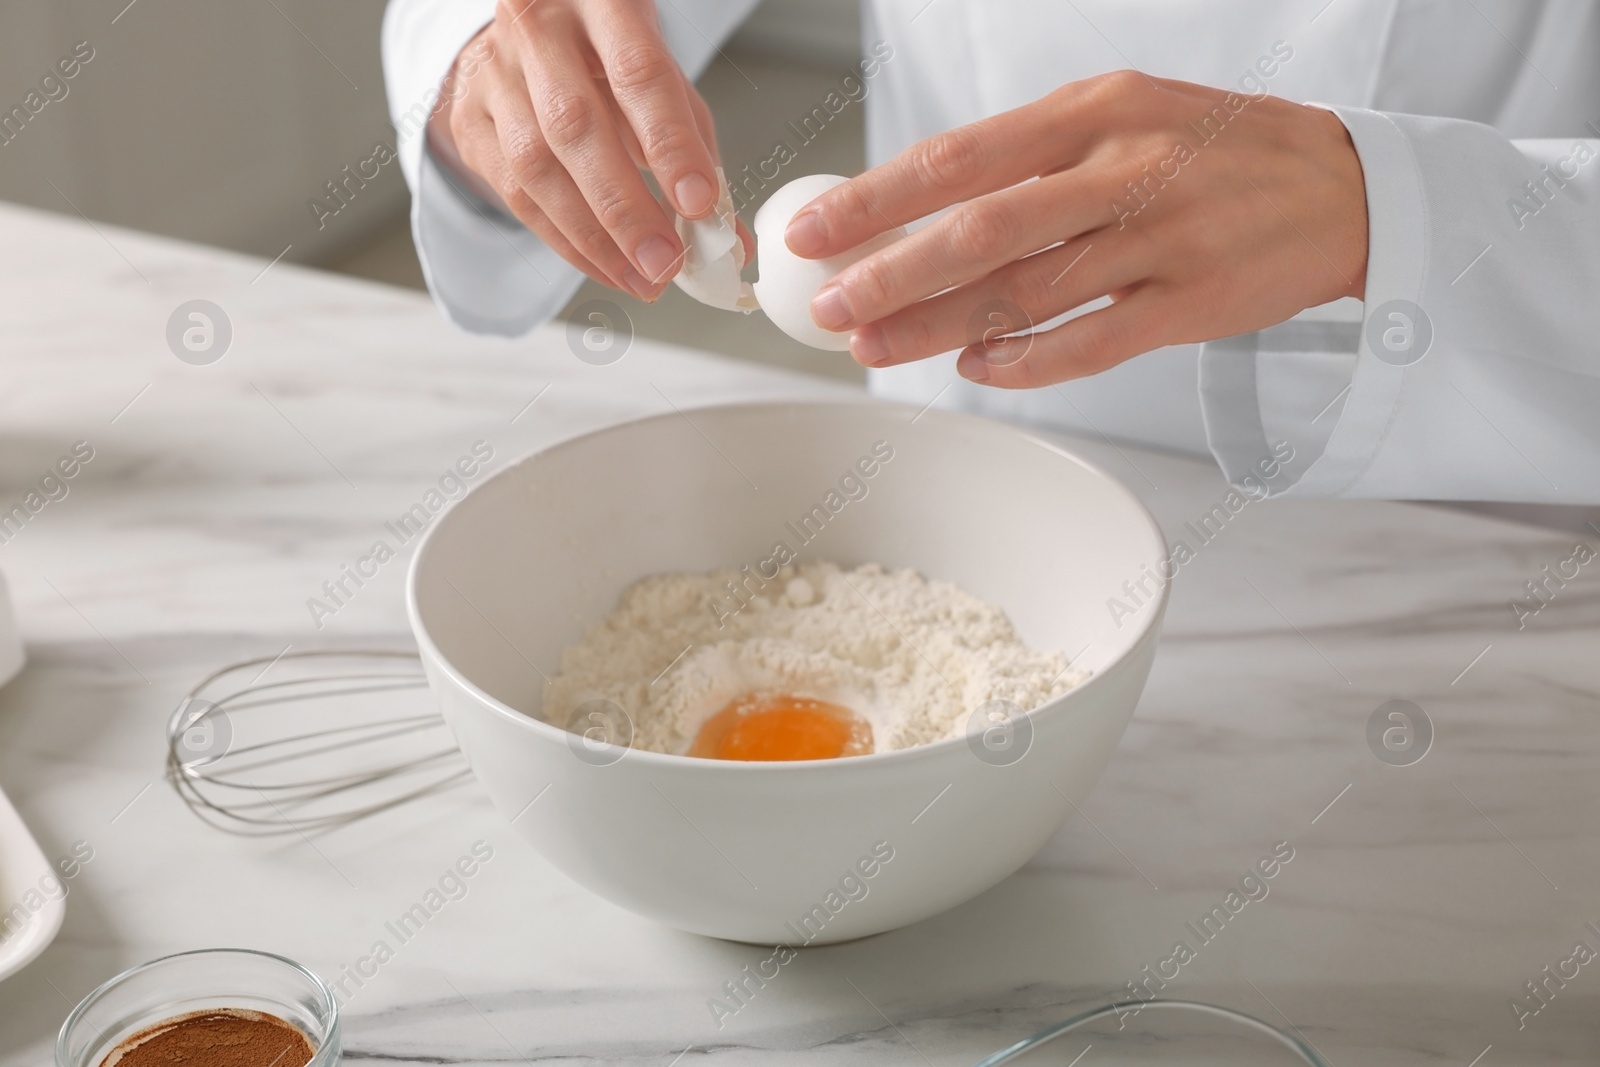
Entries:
{"x":1478,"y":129}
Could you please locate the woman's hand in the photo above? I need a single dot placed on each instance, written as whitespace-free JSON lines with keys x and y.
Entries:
{"x":1201,"y":213}
{"x":553,"y":109}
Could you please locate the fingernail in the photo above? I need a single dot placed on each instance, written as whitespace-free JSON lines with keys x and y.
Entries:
{"x":806,"y":233}
{"x":637,"y":283}
{"x":695,"y":194}
{"x":972,"y":366}
{"x":656,"y":257}
{"x":829,"y":309}
{"x":869,"y":346}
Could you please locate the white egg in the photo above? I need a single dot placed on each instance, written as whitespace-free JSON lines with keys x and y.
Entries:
{"x":786,"y":283}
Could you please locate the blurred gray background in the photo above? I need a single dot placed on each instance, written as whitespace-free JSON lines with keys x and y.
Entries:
{"x":219,"y":123}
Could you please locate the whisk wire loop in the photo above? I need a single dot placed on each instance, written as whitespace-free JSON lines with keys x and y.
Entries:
{"x":320,"y":770}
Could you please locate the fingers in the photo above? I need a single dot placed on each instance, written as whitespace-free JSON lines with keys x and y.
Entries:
{"x":649,"y":88}
{"x":585,"y":97}
{"x":630,"y":142}
{"x":478,"y":145}
{"x":747,"y":238}
{"x":957,"y":165}
{"x":1077,"y":348}
{"x":535,"y":186}
{"x":1021,"y":294}
{"x":708,"y":130}
{"x":1051,"y":134}
{"x":575,"y":122}
{"x":975,"y":239}
{"x":703,"y":120}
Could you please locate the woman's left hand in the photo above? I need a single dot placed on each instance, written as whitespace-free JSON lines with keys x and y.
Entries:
{"x":1201,"y":213}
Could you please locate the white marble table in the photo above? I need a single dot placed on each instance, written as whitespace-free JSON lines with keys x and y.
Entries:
{"x":1419,"y":901}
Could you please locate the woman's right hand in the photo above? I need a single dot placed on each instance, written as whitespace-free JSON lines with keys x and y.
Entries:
{"x":553,"y":109}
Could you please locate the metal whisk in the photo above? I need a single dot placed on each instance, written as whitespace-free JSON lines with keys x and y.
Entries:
{"x":346,"y":736}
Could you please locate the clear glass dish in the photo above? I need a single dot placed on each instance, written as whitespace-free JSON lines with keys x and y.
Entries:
{"x":192,"y":981}
{"x":1294,"y":1042}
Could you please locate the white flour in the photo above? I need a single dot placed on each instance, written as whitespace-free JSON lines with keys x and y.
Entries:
{"x":913,"y":657}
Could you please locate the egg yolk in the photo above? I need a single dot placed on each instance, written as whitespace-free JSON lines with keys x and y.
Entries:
{"x":782,"y":727}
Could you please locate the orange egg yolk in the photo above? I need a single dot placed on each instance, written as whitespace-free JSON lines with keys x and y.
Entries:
{"x":782,"y":727}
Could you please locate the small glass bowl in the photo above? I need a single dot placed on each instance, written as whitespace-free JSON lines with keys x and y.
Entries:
{"x":194,"y":981}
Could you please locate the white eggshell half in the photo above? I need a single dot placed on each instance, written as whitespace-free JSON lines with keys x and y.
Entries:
{"x":786,"y":282}
{"x":713,"y":257}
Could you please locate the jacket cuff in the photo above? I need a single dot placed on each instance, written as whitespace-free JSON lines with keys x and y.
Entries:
{"x":420,"y":43}
{"x":456,"y":233}
{"x":1332,"y":447}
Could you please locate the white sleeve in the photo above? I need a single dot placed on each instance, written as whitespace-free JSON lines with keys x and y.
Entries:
{"x":1474,"y":371}
{"x":486,"y":271}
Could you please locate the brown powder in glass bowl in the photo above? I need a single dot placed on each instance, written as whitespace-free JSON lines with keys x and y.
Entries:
{"x":217,"y":1037}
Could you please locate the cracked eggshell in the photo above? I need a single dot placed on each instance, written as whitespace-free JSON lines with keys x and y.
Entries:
{"x":713,"y":257}
{"x":786,"y":283}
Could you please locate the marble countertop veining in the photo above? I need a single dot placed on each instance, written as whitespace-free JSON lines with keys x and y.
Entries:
{"x":1418,"y":902}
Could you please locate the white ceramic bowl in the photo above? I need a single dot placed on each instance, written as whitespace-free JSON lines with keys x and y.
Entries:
{"x":777,"y":853}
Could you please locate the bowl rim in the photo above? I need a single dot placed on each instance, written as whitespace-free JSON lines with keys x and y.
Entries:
{"x":1150,"y":622}
{"x":325,"y":991}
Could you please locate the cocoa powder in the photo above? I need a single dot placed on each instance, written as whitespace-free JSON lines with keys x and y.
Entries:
{"x":217,"y":1037}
